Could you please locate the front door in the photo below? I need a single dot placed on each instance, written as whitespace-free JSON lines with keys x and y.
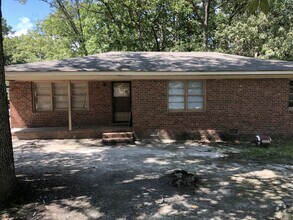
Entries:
{"x":121,"y":102}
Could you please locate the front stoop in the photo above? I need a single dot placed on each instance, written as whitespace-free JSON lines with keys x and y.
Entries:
{"x":117,"y":137}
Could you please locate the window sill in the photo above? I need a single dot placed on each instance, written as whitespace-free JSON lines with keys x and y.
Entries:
{"x":59,"y":110}
{"x":186,"y":111}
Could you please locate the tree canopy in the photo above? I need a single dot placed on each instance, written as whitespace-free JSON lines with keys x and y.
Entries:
{"x":259,"y":28}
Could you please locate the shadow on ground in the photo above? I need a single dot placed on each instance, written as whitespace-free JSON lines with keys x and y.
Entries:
{"x":80,"y":179}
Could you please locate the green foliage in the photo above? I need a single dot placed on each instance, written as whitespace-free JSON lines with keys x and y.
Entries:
{"x":25,"y":48}
{"x":80,"y":27}
{"x":157,"y":25}
{"x":266,"y":36}
{"x":274,"y":154}
{"x":262,"y":5}
{"x":6,"y":29}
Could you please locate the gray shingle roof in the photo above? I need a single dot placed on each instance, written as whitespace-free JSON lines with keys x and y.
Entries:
{"x":155,"y":62}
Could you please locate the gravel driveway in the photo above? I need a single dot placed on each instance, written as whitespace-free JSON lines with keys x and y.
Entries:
{"x":82,"y":179}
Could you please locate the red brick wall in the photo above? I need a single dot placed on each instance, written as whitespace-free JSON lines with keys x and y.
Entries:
{"x":249,"y":105}
{"x":22,"y":115}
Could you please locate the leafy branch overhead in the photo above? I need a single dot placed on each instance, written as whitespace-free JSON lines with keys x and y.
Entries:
{"x":261,"y":28}
{"x":262,"y":5}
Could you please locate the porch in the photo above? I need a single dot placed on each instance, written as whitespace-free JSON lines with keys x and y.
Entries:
{"x":65,"y":133}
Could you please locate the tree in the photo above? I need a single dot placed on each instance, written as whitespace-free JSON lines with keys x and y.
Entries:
{"x":7,"y":171}
{"x":266,"y":36}
{"x":81,"y":27}
{"x":202,"y":11}
{"x":6,"y":29}
{"x":71,"y":11}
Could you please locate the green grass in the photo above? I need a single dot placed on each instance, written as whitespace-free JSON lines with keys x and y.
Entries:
{"x":278,"y":152}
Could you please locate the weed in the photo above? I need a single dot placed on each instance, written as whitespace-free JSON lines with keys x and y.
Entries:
{"x":279,"y":152}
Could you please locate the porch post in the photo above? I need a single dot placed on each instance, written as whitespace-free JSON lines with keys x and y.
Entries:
{"x":69,"y":106}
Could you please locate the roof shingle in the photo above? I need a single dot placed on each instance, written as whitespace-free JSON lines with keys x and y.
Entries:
{"x":155,"y":62}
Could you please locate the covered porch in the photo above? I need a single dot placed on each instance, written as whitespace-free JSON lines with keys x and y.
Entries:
{"x":65,"y":133}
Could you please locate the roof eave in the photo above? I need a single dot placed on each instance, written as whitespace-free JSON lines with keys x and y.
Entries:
{"x":112,"y":76}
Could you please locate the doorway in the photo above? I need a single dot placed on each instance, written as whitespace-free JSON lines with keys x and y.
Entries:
{"x":121,"y":94}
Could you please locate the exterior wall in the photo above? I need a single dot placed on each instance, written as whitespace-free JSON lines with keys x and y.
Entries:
{"x":249,"y":105}
{"x":22,"y":114}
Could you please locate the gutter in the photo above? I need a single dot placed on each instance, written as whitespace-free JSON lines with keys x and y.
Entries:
{"x":113,"y":76}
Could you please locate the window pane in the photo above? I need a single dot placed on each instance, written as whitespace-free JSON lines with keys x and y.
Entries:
{"x":193,"y":106}
{"x":78,"y":88}
{"x":176,"y":84}
{"x":176,"y":106}
{"x":43,"y":89}
{"x":195,"y":92}
{"x":195,"y":99}
{"x":79,"y":102}
{"x":61,"y":105}
{"x":291,"y":96}
{"x":78,"y":105}
{"x":60,"y":102}
{"x":290,"y":104}
{"x":121,"y":90}
{"x":60,"y":88}
{"x":176,"y":91}
{"x":176,"y":99}
{"x":79,"y":92}
{"x":194,"y":84}
{"x":60,"y":99}
{"x":43,"y":103}
{"x":79,"y":95}
{"x":43,"y":96}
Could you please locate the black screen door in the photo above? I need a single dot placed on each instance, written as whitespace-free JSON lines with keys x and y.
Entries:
{"x":121,"y":102}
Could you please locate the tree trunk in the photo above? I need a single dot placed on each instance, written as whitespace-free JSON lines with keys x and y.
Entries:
{"x":7,"y":173}
{"x":79,"y":34}
{"x":206,"y":23}
{"x":204,"y":20}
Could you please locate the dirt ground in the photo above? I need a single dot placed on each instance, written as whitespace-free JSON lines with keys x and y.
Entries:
{"x":82,"y":179}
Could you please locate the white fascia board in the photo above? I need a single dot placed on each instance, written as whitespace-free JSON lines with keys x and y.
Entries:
{"x":112,"y":76}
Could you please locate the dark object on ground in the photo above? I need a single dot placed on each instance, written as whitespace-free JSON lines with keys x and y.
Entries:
{"x":182,"y":178}
{"x":262,"y":140}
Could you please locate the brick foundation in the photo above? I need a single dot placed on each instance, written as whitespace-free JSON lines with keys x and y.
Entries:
{"x":248,"y":105}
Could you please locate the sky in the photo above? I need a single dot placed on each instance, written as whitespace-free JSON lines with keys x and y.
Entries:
{"x":21,"y":17}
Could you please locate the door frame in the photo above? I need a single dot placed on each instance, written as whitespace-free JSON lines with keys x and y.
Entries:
{"x":129,"y":122}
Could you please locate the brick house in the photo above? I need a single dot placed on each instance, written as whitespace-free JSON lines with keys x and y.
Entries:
{"x":154,"y":93}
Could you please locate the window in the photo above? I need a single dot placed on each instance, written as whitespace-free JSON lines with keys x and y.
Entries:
{"x":43,"y":97}
{"x":60,"y":96}
{"x":79,"y":95}
{"x":186,"y":95}
{"x":54,"y":96}
{"x":290,"y":101}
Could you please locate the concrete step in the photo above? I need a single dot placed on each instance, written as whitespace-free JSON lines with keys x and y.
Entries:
{"x":117,"y":137}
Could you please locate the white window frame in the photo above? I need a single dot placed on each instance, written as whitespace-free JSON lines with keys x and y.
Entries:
{"x":186,"y":96}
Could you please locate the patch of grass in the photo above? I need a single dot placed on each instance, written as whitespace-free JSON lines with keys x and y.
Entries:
{"x":279,"y":152}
